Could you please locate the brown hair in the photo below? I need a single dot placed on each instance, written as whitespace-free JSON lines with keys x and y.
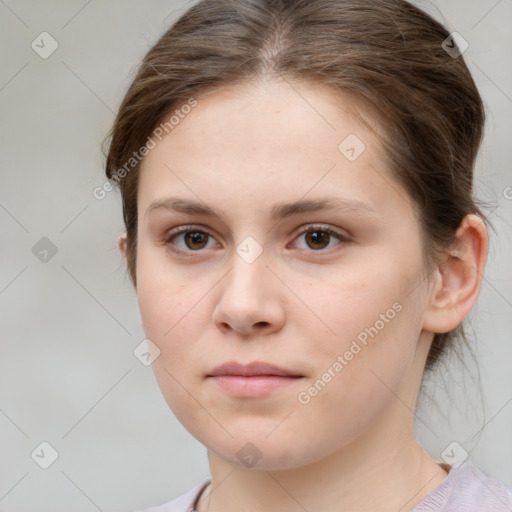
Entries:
{"x":387,"y":53}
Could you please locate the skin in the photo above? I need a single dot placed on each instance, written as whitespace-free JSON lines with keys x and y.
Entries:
{"x":298,"y":305}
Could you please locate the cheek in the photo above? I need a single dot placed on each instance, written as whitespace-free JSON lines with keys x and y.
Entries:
{"x":370,"y":323}
{"x":173,"y":309}
{"x":170,"y":318}
{"x":353,"y":304}
{"x":162,"y":294}
{"x":356,"y":381}
{"x":171,"y":322}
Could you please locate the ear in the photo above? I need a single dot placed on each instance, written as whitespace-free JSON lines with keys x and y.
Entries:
{"x":458,"y":277}
{"x":121,"y":244}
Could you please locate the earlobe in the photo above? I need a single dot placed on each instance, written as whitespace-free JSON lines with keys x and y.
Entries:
{"x":121,"y":244}
{"x":459,"y":277}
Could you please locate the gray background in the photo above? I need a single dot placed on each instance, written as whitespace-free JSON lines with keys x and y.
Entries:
{"x":68,"y":327}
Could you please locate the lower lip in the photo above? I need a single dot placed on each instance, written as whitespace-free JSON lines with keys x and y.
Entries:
{"x":253,"y":386}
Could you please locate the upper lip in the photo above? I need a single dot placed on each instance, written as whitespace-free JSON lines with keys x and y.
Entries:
{"x":251,"y":369}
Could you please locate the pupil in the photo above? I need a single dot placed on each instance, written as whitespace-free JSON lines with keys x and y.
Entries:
{"x":317,"y":237}
{"x":196,"y":238}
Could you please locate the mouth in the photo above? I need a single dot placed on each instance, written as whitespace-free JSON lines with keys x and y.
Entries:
{"x":256,"y":379}
{"x":255,"y":369}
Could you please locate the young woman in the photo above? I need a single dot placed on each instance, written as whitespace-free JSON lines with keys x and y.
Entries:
{"x":304,"y":242}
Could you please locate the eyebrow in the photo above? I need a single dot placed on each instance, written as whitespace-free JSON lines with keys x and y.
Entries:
{"x":279,"y":211}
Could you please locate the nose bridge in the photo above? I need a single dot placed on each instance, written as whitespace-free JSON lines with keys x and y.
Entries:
{"x":247,"y":277}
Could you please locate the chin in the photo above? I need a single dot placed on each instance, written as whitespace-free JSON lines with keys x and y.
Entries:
{"x":263,"y":453}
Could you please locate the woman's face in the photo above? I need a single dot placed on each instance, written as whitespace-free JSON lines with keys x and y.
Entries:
{"x":334,"y":293}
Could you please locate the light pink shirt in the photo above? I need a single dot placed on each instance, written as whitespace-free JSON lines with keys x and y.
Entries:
{"x":465,"y":489}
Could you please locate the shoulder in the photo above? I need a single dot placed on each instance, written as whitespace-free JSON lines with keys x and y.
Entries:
{"x":183,"y":503}
{"x":469,"y":489}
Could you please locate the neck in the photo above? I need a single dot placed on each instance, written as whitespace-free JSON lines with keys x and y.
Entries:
{"x":394,"y":474}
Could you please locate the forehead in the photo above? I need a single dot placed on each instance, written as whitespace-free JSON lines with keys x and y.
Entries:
{"x":273,"y":139}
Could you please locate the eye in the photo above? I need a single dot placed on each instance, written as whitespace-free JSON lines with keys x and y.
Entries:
{"x":193,"y":239}
{"x":319,"y":237}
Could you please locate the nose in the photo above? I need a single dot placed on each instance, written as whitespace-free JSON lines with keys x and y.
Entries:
{"x":251,"y":299}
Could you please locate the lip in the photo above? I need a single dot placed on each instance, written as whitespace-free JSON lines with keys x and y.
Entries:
{"x":256,"y":368}
{"x":256,"y":379}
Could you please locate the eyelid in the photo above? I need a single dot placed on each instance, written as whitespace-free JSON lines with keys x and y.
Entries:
{"x":322,"y":227}
{"x":185,"y":228}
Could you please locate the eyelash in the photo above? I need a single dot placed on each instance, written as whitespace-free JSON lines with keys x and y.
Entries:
{"x":196,"y":229}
